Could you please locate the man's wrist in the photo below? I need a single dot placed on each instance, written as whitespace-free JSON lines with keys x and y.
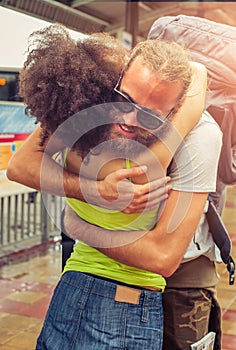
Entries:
{"x":71,"y":186}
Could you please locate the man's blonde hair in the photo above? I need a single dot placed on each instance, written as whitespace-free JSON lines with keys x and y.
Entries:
{"x":168,"y":59}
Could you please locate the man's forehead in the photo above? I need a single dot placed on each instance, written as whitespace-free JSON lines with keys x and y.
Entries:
{"x":138,"y":65}
{"x":140,"y":74}
{"x":147,"y":87}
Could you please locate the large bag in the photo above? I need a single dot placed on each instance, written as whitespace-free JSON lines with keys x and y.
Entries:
{"x":214,"y":45}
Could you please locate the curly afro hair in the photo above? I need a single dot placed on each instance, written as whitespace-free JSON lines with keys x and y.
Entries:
{"x":62,"y":76}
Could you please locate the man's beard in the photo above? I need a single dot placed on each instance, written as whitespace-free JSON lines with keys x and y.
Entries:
{"x":107,"y":137}
{"x":122,"y":146}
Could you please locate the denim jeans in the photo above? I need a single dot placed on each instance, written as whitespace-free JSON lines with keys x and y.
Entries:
{"x":84,"y":315}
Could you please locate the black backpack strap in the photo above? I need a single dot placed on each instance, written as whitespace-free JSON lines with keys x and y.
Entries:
{"x":231,"y":269}
{"x":66,"y":242}
{"x":221,"y":238}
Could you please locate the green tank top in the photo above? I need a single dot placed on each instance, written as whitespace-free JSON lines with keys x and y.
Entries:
{"x":89,"y":260}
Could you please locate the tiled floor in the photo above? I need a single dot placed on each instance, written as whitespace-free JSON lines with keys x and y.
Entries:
{"x":26,"y":288}
{"x":226,"y":293}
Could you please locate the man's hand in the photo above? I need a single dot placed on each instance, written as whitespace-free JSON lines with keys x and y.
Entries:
{"x":118,"y":193}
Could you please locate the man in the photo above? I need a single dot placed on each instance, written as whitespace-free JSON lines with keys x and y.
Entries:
{"x":145,"y":256}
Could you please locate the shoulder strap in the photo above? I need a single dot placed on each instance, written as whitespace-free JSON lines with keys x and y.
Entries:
{"x":221,"y":237}
{"x":66,"y":242}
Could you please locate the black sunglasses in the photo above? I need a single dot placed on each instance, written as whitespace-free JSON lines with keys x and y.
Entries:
{"x":146,"y":117}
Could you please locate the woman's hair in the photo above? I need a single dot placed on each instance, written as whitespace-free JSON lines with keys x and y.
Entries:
{"x":62,"y":76}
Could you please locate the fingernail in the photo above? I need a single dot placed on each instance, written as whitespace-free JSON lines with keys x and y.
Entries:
{"x":143,"y":168}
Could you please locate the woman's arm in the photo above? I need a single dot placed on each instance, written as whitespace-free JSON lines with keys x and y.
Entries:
{"x":194,"y":104}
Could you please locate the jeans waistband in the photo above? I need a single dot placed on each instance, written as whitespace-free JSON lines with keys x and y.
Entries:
{"x":105,"y":287}
{"x":121,"y":283}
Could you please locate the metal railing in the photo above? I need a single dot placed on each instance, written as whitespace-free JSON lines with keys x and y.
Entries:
{"x":28,"y":219}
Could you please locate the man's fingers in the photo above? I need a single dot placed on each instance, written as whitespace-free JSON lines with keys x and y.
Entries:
{"x":159,"y":183}
{"x":149,"y":201}
{"x":132,"y":198}
{"x":145,"y":206}
{"x":152,"y":189}
{"x":128,"y":173}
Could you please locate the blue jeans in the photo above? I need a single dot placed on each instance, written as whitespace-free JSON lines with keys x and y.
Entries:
{"x":84,"y":315}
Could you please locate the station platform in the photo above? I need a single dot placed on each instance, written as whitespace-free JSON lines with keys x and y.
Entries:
{"x":26,"y":286}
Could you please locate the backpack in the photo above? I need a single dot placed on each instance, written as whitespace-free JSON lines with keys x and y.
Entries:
{"x":214,"y":45}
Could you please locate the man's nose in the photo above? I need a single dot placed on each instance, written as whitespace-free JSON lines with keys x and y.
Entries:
{"x":131,"y":118}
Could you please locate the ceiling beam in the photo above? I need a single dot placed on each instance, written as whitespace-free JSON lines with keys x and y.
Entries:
{"x":78,"y":3}
{"x":144,"y":6}
{"x":168,"y":10}
{"x":144,"y":18}
{"x":35,"y":7}
{"x":131,"y":20}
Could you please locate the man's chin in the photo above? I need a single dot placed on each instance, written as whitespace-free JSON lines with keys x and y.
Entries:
{"x":128,"y":147}
{"x":123,"y":147}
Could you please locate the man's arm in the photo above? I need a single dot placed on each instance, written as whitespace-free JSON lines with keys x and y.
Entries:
{"x":193,"y":175}
{"x":159,"y":250}
{"x":25,"y":167}
{"x":33,"y":166}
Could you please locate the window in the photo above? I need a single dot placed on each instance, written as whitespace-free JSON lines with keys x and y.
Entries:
{"x":9,"y":86}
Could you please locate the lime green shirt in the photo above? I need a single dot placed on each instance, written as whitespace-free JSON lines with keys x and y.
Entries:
{"x":89,"y":260}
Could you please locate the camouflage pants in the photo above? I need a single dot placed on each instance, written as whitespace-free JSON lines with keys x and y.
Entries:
{"x":189,"y":314}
